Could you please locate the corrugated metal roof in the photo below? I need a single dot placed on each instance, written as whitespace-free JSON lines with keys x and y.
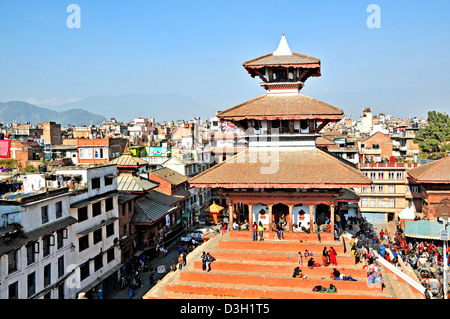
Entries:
{"x":132,"y":183}
{"x":148,"y":211}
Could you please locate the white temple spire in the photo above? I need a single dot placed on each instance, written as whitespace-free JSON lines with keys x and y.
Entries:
{"x":283,"y":47}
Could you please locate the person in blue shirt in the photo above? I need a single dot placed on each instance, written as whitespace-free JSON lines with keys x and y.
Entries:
{"x":382,"y":250}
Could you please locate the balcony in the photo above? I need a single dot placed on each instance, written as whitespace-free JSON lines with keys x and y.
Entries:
{"x":371,"y":151}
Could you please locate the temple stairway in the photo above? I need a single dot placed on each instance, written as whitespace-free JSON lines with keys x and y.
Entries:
{"x":263,"y":269}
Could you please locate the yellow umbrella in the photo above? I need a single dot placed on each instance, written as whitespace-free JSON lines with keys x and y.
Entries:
{"x":214,"y":209}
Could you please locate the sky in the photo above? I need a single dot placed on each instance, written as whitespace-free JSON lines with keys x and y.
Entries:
{"x":196,"y":48}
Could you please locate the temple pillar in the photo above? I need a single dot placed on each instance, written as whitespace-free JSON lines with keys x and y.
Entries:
{"x":250,"y":216}
{"x":270,"y":217}
{"x":311,"y":217}
{"x":290,"y":218}
{"x":332,"y":218}
{"x":231,"y":213}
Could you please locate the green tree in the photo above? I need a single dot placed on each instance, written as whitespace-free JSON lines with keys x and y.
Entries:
{"x":433,"y":139}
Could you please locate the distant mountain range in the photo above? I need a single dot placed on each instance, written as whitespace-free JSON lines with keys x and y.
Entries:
{"x":160,"y":106}
{"x":124,"y":108}
{"x":22,"y":112}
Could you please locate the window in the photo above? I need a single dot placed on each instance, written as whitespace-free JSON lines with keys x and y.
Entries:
{"x":97,"y":235}
{"x":380,"y":175}
{"x":83,"y":243}
{"x":400,"y":175}
{"x":58,"y":209}
{"x":98,"y":153}
{"x":31,"y":284}
{"x":373,"y":202}
{"x":373,"y":175}
{"x":391,"y":175}
{"x":85,"y":153}
{"x":82,"y":213}
{"x":60,"y":266}
{"x":109,"y":180}
{"x":391,"y":189}
{"x":284,"y":126}
{"x":61,"y":291}
{"x":12,"y":261}
{"x":414,"y":189}
{"x":364,"y":202}
{"x":95,"y":182}
{"x":373,"y":188}
{"x":96,"y":209}
{"x":98,"y":262}
{"x":13,"y":291}
{"x":47,"y":242}
{"x":47,"y":275}
{"x":60,"y":238}
{"x":84,"y":271}
{"x":109,"y":229}
{"x":44,"y":214}
{"x":110,"y":255}
{"x":380,"y":188}
{"x":109,"y":204}
{"x":32,"y":249}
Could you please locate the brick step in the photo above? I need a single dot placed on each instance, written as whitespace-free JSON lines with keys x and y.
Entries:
{"x":265,"y":292}
{"x":246,"y":234}
{"x":289,"y":257}
{"x":179,"y":295}
{"x":279,"y":246}
{"x":256,"y":279}
{"x":282,"y":268}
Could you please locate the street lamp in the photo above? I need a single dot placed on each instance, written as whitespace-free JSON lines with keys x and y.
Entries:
{"x":444,"y":237}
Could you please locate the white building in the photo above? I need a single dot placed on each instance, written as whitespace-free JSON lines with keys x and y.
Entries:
{"x":59,"y":242}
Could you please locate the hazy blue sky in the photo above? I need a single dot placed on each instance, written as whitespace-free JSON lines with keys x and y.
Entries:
{"x":197,"y":48}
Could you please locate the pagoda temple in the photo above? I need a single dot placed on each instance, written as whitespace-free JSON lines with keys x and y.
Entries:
{"x":282,"y":173}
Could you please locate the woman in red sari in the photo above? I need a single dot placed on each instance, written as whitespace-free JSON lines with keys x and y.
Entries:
{"x":332,"y":254}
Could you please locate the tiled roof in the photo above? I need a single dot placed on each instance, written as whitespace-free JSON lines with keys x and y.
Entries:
{"x":290,"y":106}
{"x":169,"y":175}
{"x":132,"y":183}
{"x":282,"y":169}
{"x":270,"y":59}
{"x":436,"y":171}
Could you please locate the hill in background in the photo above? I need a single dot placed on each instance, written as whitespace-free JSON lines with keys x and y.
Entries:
{"x":22,"y":112}
{"x":160,"y":106}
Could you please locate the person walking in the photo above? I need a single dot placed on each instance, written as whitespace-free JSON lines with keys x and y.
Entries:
{"x":209,"y":260}
{"x":317,"y":231}
{"x":261,"y":231}
{"x":332,"y":254}
{"x":280,"y":233}
{"x":151,"y":274}
{"x":204,"y":258}
{"x":184,"y":258}
{"x":300,"y":258}
{"x":180,"y":261}
{"x":255,"y":231}
{"x":325,"y":257}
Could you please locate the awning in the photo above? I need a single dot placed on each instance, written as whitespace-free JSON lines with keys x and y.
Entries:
{"x":423,"y":229}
